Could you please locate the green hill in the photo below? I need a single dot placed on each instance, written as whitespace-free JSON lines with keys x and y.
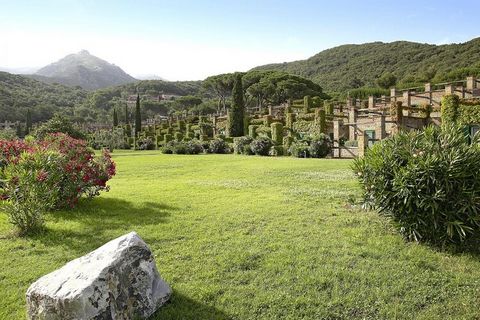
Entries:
{"x":18,"y":93}
{"x":352,"y":66}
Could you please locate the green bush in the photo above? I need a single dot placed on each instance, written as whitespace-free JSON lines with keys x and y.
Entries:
{"x":241,"y":145}
{"x":59,"y":124}
{"x":299,"y":149}
{"x":320,"y":146}
{"x":261,"y":146}
{"x":145,"y":144}
{"x":167,"y":148}
{"x":194,"y":147}
{"x":276,"y":151}
{"x":218,"y":146}
{"x":182,"y":147}
{"x":29,"y":199}
{"x":37,"y":176}
{"x":428,"y":182}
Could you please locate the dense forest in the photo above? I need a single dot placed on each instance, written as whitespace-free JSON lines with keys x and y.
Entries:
{"x":19,"y":93}
{"x":356,"y":70}
{"x":405,"y":64}
{"x":261,"y":88}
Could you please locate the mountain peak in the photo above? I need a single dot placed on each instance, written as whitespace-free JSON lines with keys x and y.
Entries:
{"x":84,"y":70}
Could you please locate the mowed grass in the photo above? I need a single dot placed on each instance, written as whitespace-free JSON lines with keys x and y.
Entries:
{"x":251,"y":238}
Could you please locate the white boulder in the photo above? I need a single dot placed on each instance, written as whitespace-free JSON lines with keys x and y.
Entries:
{"x":119,"y":280}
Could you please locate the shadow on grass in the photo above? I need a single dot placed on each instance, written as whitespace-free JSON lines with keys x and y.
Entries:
{"x":97,"y":221}
{"x":182,"y":307}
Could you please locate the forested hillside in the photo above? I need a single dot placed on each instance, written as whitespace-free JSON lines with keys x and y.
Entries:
{"x":353,"y":66}
{"x":19,"y":93}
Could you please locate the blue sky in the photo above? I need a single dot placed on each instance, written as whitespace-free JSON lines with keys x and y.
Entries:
{"x":182,"y":40}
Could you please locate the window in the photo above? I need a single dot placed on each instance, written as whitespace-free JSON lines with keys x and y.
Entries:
{"x":370,"y":135}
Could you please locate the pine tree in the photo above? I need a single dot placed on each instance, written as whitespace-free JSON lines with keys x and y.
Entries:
{"x":236,"y":114}
{"x":115,"y":118}
{"x":127,"y":118}
{"x":28,"y":125}
{"x":138,"y":117}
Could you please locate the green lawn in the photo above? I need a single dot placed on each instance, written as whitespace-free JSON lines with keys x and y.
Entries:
{"x":251,"y":238}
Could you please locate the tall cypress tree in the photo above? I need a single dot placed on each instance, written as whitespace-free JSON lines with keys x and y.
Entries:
{"x":28,"y":125}
{"x":115,"y":118}
{"x":138,"y":117}
{"x":127,"y":118}
{"x":236,"y":114}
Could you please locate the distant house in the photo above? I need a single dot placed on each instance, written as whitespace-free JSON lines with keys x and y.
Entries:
{"x":169,"y":96}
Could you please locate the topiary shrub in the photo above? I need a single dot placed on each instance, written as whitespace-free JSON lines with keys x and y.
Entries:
{"x":167,"y":138}
{"x":277,"y":132}
{"x":218,"y":146}
{"x":320,"y":146}
{"x":261,"y":146}
{"x":178,"y":136}
{"x":428,"y":182}
{"x":241,"y":145}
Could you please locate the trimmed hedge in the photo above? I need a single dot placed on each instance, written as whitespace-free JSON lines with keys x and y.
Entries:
{"x":277,"y":132}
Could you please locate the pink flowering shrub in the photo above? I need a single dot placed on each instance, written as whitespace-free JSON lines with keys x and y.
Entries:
{"x":49,"y":174}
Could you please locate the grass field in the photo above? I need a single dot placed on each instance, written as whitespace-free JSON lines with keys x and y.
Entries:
{"x":251,"y":238}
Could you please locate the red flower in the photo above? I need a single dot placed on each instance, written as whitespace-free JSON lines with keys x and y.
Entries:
{"x":42,"y":175}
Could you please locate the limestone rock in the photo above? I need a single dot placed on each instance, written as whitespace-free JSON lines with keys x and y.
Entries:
{"x":119,"y":280}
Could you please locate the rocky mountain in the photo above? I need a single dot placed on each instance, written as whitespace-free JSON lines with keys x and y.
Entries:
{"x":357,"y":65}
{"x":84,"y":70}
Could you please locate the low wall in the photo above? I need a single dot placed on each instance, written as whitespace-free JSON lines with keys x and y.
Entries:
{"x":345,"y":152}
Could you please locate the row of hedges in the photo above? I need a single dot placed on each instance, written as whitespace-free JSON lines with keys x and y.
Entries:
{"x":217,"y":145}
{"x":318,"y":146}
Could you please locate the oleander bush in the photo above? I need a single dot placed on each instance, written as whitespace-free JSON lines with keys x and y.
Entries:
{"x":218,"y":146}
{"x":145,"y":143}
{"x":261,"y":146}
{"x":168,"y":147}
{"x":194,"y":147}
{"x":49,"y":174}
{"x":179,"y":147}
{"x":320,"y":146}
{"x":426,"y":181}
{"x":241,"y":145}
{"x":299,"y":149}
